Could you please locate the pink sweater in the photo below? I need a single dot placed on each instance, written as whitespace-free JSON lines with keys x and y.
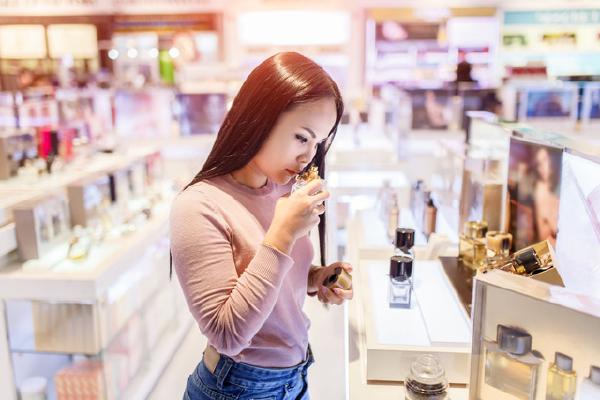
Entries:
{"x":246,"y":297}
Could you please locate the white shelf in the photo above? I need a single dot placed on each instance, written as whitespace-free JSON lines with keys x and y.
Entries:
{"x":141,"y":387}
{"x":436,"y":323}
{"x":87,"y":280}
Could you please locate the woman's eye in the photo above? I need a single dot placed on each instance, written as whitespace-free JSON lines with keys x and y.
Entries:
{"x":301,"y":138}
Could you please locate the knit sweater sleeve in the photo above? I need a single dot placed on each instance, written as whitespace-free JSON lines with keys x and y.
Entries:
{"x":229,"y":309}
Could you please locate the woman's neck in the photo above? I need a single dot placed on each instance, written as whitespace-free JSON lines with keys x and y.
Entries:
{"x":250,"y":176}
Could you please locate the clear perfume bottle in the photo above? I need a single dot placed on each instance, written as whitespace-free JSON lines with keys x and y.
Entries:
{"x":511,"y":366}
{"x":80,"y":244}
{"x":426,"y":380}
{"x":471,"y":245}
{"x":562,"y":380}
{"x":401,"y":269}
{"x":590,"y":387}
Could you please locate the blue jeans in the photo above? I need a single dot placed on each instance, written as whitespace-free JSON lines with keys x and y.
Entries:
{"x":239,"y":381}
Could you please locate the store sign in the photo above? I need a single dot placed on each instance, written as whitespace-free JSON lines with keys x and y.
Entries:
{"x":91,"y":7}
{"x":554,"y":17}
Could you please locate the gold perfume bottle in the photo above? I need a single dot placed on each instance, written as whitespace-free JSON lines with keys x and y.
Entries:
{"x":528,"y":261}
{"x":562,"y":380}
{"x":510,"y":365}
{"x":471,"y":246}
{"x":498,"y":246}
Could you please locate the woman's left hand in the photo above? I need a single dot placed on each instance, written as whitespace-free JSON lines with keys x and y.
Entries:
{"x":336,"y":295}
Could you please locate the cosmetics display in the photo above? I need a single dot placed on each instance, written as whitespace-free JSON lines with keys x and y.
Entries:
{"x":427,"y":380}
{"x":511,"y":366}
{"x":521,"y":353}
{"x":16,"y":150}
{"x":89,"y":199}
{"x":41,"y":225}
{"x":472,"y":249}
{"x":562,"y":380}
{"x":339,"y":279}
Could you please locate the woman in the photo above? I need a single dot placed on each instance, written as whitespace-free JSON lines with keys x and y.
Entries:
{"x":239,"y":238}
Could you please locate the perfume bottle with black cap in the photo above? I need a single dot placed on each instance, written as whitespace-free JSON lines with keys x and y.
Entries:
{"x":404,"y":242}
{"x":562,"y":380}
{"x":401,"y":270}
{"x":511,"y":366}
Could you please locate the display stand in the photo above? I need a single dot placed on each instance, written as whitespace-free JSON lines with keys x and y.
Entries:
{"x":435,"y":323}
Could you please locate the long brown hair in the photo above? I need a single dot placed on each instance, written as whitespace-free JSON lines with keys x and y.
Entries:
{"x":279,"y":83}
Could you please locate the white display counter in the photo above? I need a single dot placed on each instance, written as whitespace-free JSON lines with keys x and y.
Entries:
{"x":436,"y":323}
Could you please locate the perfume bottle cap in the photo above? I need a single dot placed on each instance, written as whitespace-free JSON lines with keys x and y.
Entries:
{"x":513,"y":340}
{"x":401,"y":268}
{"x":528,"y":259}
{"x":595,"y":374}
{"x":405,"y":238}
{"x":563,"y":361}
{"x":475,"y":229}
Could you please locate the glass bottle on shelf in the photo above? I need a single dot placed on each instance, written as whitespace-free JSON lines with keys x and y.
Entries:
{"x":528,"y":261}
{"x":562,"y":380}
{"x":511,"y":367}
{"x":590,"y":387}
{"x":471,"y":246}
{"x":426,"y":380}
{"x":400,"y":287}
{"x":499,"y":244}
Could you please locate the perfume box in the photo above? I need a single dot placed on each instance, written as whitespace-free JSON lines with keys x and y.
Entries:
{"x":15,"y":147}
{"x":87,"y":197}
{"x":435,"y":323}
{"x":41,"y":225}
{"x":522,"y":330}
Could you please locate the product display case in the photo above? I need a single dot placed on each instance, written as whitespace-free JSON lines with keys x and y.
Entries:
{"x":518,"y":352}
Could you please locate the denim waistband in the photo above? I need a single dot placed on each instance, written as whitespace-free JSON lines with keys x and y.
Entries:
{"x":241,"y":373}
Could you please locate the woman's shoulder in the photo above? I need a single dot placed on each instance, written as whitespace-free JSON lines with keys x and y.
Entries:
{"x":200,"y":197}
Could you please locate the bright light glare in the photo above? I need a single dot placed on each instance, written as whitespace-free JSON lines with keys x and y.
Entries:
{"x":113,"y":54}
{"x":174,"y":52}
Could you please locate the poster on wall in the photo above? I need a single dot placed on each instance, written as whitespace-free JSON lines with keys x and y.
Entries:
{"x":201,"y":113}
{"x":534,"y":173}
{"x":430,"y":108}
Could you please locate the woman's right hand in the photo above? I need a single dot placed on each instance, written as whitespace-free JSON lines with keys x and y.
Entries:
{"x":296,"y":215}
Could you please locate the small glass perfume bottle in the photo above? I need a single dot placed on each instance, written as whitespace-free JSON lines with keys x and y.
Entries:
{"x":393,"y":218}
{"x":499,"y":244}
{"x":471,"y":245}
{"x":562,"y":380}
{"x":401,"y":269}
{"x":80,"y":244}
{"x":510,"y":365}
{"x":590,"y":387}
{"x":429,"y":218}
{"x":426,"y":380}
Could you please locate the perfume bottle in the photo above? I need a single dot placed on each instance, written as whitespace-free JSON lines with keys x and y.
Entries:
{"x":339,"y":279}
{"x":510,"y":365}
{"x":80,"y":244}
{"x":471,"y":245}
{"x":392,"y":218}
{"x":400,"y":290}
{"x":590,"y":387}
{"x":429,"y":217}
{"x":528,"y":261}
{"x":562,"y":380}
{"x":498,"y":244}
{"x":426,"y":380}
